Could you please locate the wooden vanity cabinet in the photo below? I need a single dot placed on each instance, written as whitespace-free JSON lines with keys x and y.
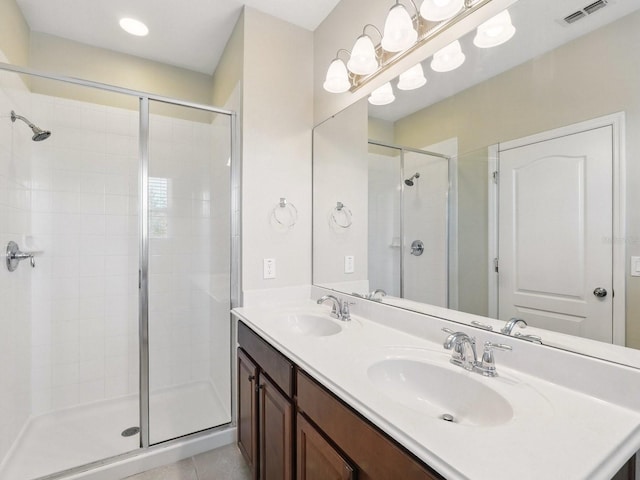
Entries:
{"x":265,"y":408}
{"x":248,"y":411}
{"x":316,"y":458}
{"x":376,"y":456}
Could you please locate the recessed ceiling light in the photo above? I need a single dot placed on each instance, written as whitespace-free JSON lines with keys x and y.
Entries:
{"x":134,"y":27}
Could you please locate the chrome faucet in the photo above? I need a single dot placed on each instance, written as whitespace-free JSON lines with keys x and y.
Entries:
{"x":377,"y":291}
{"x":463,"y":349}
{"x":372,"y":295}
{"x":511,"y":324}
{"x":463,"y":353}
{"x":339,"y":310}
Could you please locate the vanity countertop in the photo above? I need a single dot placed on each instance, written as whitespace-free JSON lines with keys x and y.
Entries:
{"x":553,"y":432}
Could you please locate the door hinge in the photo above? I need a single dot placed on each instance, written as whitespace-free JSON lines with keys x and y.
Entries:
{"x":495,"y":264}
{"x":496,"y":177}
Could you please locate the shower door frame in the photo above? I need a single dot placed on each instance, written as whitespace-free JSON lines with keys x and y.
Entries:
{"x":143,"y":267}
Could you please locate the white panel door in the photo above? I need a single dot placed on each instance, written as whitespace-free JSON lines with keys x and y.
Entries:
{"x":555,"y":234}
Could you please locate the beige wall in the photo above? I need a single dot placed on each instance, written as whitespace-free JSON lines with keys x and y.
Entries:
{"x":562,"y":87}
{"x":14,"y":33}
{"x":65,"y":57}
{"x":277,"y":116}
{"x":230,"y":68}
{"x":340,"y":174}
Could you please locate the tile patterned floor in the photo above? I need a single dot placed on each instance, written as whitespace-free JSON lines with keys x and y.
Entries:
{"x":224,"y":463}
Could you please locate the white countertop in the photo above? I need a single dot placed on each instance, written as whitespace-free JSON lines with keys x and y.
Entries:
{"x":554,"y":433}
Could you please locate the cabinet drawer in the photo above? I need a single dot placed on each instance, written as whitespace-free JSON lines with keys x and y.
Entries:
{"x":272,"y":362}
{"x":376,"y":455}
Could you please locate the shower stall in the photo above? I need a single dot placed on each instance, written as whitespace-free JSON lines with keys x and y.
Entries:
{"x":409,"y":210}
{"x":116,"y":213}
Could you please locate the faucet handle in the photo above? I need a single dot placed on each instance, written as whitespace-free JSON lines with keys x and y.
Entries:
{"x":483,"y":326}
{"x":488,"y":365}
{"x":346,"y":314}
{"x":497,"y":346}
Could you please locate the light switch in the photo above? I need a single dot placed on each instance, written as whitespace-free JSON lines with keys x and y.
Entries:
{"x":635,"y":266}
{"x":349,"y":264}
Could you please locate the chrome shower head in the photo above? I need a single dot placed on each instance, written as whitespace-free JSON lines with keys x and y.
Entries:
{"x":409,"y":181}
{"x":38,"y":133}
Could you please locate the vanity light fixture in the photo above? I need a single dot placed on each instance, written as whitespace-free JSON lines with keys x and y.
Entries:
{"x":364,"y":58}
{"x":134,"y":27}
{"x":412,"y":78}
{"x":399,"y":30}
{"x":439,"y":10}
{"x":448,"y":58}
{"x":337,"y":79}
{"x":495,"y":31}
{"x":402,"y":35}
{"x":382,"y":95}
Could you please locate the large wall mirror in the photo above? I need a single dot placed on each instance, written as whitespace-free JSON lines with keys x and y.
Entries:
{"x":506,"y":187}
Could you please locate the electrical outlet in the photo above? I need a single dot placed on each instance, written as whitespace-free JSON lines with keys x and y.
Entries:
{"x":349,"y":264}
{"x":269,"y":268}
{"x":635,"y":266}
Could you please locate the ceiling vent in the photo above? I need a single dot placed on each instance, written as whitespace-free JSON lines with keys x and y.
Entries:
{"x":588,"y":10}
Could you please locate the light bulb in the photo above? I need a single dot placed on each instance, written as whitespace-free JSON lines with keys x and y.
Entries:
{"x":134,"y":27}
{"x":412,"y":78}
{"x":382,"y":95}
{"x":363,"y":57}
{"x":495,"y":31}
{"x":399,"y":33}
{"x":449,"y":58}
{"x":439,"y":10}
{"x":337,"y":79}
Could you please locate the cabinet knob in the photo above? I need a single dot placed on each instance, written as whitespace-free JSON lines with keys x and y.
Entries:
{"x":252,"y":378}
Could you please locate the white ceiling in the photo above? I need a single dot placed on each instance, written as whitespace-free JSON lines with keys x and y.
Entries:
{"x":190,"y":33}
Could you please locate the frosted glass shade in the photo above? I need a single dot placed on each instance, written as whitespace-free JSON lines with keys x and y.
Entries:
{"x":363,"y":57}
{"x":399,"y":33}
{"x":439,"y":10}
{"x":382,"y":95}
{"x":412,"y":78}
{"x":337,"y":79}
{"x":495,"y":31}
{"x":449,"y":58}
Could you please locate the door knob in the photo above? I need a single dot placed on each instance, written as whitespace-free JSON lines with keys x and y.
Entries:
{"x":417,"y":248}
{"x":600,"y":292}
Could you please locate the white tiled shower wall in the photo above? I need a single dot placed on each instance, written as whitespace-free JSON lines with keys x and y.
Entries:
{"x":70,"y":325}
{"x":15,"y":287}
{"x":85,"y":221}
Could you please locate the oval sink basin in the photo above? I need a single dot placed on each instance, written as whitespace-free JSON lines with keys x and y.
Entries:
{"x":433,"y":390}
{"x":311,"y":325}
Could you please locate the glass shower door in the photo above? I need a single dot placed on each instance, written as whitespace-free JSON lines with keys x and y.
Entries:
{"x":188,"y":270}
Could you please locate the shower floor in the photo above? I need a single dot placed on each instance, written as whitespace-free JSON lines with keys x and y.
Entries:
{"x":76,"y":436}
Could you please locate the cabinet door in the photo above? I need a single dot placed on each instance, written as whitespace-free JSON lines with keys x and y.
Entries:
{"x":248,"y":411}
{"x":316,"y":458}
{"x":276,"y":446}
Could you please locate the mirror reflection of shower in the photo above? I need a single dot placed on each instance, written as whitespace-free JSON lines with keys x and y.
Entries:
{"x":409,"y":181}
{"x":38,"y":133}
